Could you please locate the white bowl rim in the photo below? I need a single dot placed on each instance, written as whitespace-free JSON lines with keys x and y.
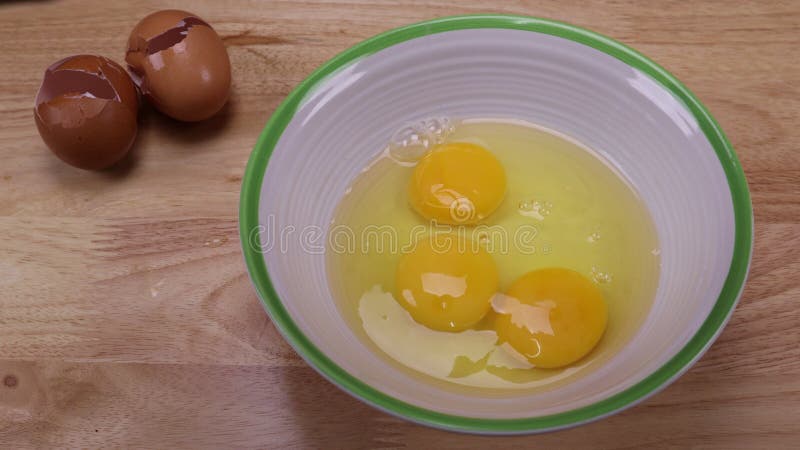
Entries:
{"x":662,"y":377}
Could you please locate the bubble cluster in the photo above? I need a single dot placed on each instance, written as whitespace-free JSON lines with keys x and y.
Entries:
{"x":600,"y":277}
{"x":412,"y":142}
{"x":594,"y":237}
{"x":535,"y":209}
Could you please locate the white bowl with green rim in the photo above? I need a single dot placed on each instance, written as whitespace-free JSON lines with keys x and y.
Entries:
{"x":584,"y":85}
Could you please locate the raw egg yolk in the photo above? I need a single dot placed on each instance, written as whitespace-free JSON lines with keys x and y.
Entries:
{"x":457,"y":183}
{"x":447,"y":282}
{"x":553,"y":317}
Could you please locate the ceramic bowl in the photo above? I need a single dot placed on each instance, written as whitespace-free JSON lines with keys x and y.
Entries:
{"x":584,"y":85}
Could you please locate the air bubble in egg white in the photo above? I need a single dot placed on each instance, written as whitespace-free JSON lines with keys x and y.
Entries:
{"x":411,"y":143}
{"x":438,"y":129}
{"x":408,"y":146}
{"x":535,"y":209}
{"x":600,"y":277}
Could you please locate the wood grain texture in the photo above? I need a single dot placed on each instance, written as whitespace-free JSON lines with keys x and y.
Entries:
{"x":126,"y":315}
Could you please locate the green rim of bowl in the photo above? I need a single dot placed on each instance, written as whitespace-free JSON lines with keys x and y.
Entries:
{"x":731,"y":290}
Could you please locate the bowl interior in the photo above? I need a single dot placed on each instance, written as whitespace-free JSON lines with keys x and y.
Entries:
{"x":649,"y":134}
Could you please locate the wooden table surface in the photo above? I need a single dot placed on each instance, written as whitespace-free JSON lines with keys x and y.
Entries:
{"x":126,"y":314}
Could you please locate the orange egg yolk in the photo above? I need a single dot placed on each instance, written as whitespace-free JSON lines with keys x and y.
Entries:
{"x":552,"y":317}
{"x":446,"y":283}
{"x":457,"y":183}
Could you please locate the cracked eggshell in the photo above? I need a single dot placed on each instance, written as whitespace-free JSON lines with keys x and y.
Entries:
{"x":180,"y":65}
{"x":86,"y":110}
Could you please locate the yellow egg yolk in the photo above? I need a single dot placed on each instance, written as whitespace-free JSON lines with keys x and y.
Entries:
{"x":446,"y":283}
{"x":553,"y":317}
{"x":457,"y":183}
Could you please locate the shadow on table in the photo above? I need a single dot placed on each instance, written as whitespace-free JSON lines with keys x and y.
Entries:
{"x":328,"y":416}
{"x":189,"y":136}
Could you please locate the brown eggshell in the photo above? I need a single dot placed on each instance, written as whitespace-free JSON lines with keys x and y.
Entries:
{"x":113,"y":72}
{"x":180,"y":64}
{"x":86,"y":111}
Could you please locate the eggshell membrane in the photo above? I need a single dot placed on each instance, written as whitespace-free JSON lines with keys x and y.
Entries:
{"x":108,"y":69}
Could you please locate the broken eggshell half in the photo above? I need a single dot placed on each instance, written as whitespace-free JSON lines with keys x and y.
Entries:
{"x":180,"y":64}
{"x":86,"y":110}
